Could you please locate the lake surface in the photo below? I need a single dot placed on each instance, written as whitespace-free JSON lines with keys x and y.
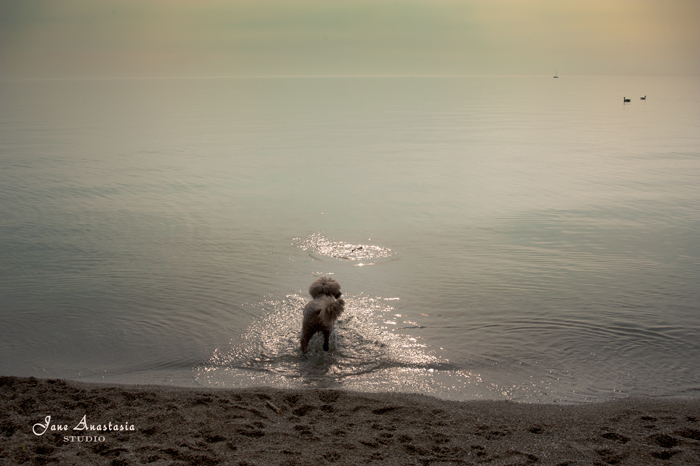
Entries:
{"x":523,"y":238}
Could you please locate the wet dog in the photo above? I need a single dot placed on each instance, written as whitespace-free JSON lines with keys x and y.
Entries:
{"x":321,"y":313}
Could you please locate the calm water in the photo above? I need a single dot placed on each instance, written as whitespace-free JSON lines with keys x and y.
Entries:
{"x":523,"y":238}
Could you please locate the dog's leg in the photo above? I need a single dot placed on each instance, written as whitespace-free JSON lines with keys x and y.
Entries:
{"x":326,"y":336}
{"x":305,"y":342}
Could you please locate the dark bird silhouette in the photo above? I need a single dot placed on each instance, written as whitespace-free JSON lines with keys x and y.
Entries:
{"x":643,"y":98}
{"x":625,"y":99}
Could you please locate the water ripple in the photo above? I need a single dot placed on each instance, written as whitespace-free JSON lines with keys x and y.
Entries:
{"x":360,"y":347}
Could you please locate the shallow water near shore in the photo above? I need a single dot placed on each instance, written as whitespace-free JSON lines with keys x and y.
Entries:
{"x":514,"y":238}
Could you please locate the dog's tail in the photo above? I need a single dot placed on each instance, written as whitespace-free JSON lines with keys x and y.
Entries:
{"x":331,"y":310}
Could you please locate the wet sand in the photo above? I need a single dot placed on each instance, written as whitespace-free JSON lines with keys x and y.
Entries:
{"x":167,"y":425}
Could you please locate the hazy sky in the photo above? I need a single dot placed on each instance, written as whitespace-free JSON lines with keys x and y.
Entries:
{"x":125,"y":38}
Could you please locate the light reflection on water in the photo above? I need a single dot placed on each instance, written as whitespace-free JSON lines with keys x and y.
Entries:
{"x":362,"y":349}
{"x":319,"y":244}
{"x":527,"y":245}
{"x":371,"y":351}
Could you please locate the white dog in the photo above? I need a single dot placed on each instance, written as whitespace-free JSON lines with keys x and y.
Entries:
{"x":321,"y":313}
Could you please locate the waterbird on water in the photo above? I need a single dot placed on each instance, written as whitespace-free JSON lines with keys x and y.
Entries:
{"x":625,"y":99}
{"x":643,"y":98}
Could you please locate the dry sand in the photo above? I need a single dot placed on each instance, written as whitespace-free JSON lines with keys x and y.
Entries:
{"x":314,"y":427}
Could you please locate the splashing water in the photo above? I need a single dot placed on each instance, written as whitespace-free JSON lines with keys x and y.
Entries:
{"x":342,"y":250}
{"x":364,"y":354}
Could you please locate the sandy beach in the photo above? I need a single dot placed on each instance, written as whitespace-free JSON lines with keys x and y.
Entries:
{"x":45,"y":421}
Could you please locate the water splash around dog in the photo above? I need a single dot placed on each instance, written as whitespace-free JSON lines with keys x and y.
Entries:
{"x":365,"y":355}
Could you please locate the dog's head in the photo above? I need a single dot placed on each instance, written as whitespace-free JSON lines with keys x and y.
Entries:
{"x":325,"y":286}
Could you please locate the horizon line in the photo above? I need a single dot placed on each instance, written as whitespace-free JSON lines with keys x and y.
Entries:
{"x":329,"y":76}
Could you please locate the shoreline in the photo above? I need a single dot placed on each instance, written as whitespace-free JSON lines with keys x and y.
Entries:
{"x":158,"y":425}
